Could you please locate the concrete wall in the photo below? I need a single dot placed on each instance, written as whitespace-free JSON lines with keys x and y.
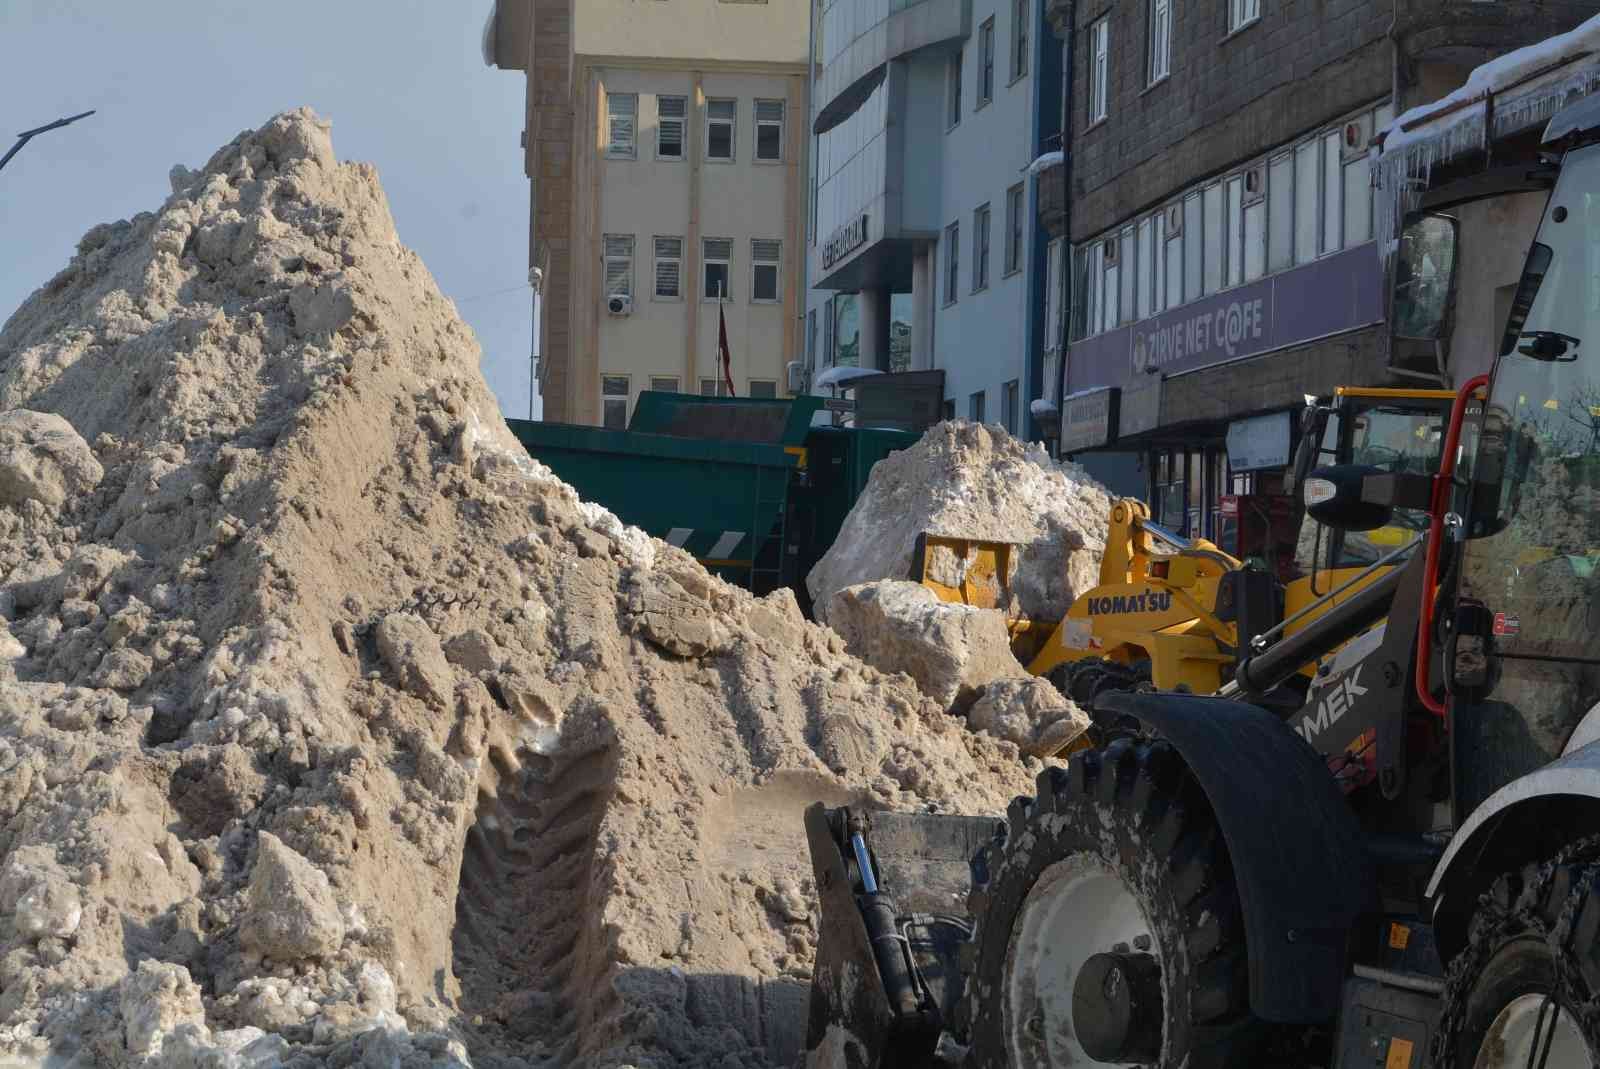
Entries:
{"x":980,"y":340}
{"x":646,"y":197}
{"x":744,"y":31}
{"x":1228,"y":97}
{"x":1495,"y":237}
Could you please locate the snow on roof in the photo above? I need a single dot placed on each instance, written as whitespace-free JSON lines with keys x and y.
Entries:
{"x":487,"y":41}
{"x":1501,"y":74}
{"x":1045,"y":162}
{"x":843,"y":376}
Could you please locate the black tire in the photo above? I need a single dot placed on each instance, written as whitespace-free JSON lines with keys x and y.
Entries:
{"x":1536,"y":932}
{"x":1135,"y":809}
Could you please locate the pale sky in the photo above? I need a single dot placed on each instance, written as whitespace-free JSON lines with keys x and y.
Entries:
{"x":403,"y":82}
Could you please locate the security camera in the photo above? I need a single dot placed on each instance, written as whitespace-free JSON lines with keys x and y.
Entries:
{"x":536,"y":278}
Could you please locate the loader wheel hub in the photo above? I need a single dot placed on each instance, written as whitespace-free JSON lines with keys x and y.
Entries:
{"x":1116,"y":1007}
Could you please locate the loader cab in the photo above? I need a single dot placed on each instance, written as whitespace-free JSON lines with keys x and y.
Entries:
{"x":1524,"y":665}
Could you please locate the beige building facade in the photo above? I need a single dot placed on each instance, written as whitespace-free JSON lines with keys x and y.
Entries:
{"x":665,"y":145}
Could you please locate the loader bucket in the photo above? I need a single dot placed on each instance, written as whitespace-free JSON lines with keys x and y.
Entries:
{"x":966,"y":571}
{"x":858,"y":1018}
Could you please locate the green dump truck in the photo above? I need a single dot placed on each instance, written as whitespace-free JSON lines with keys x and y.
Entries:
{"x":747,"y":485}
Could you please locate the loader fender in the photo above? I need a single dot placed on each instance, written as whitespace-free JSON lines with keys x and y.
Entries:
{"x":1296,"y":850}
{"x":1508,"y":829}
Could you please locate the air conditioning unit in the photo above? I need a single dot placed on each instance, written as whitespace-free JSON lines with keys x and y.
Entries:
{"x":1174,"y":220}
{"x":797,"y":376}
{"x":1255,"y":184}
{"x":1357,"y":136}
{"x":619,"y":304}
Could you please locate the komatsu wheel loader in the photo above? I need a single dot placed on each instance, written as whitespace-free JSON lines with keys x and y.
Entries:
{"x":1403,"y":872}
{"x":1169,"y":611}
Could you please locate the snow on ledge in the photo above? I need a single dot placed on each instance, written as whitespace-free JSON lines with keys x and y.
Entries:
{"x":1042,"y":408}
{"x":843,"y":376}
{"x":1047,"y":161}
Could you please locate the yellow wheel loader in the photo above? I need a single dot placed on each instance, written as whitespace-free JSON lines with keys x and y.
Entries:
{"x":1170,"y":613}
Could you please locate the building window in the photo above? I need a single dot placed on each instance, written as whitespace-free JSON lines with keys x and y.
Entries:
{"x":670,"y":113}
{"x":986,"y":61}
{"x":1211,"y":205}
{"x":769,"y":131}
{"x":619,"y":265}
{"x":765,"y":256}
{"x":664,"y":383}
{"x":717,"y":255}
{"x":952,"y":261}
{"x":1020,"y":21}
{"x":811,"y":338}
{"x":1099,"y":69}
{"x":1160,"y":40}
{"x":1125,"y":258}
{"x":980,"y":249}
{"x":763,"y":388}
{"x":1242,"y":13}
{"x":1235,"y":190}
{"x":713,"y":388}
{"x":975,"y":407}
{"x":1014,"y":207}
{"x":1332,"y":193}
{"x":1008,"y":405}
{"x":953,"y":91}
{"x":622,"y":111}
{"x":1174,"y":255}
{"x":1052,"y":296}
{"x":720,"y":116}
{"x":1306,"y":222}
{"x":669,"y":269}
{"x":614,"y":402}
{"x":1144,"y":292}
{"x":1280,"y":212}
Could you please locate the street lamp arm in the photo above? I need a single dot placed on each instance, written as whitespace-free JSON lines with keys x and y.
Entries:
{"x":26,"y":135}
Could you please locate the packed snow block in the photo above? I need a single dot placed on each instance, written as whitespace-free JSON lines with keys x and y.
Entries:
{"x":950,"y":650}
{"x":43,"y":459}
{"x":158,"y":999}
{"x":970,"y":480}
{"x":291,"y":913}
{"x":1030,"y":712}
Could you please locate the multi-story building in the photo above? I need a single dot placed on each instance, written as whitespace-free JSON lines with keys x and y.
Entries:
{"x":665,"y":150}
{"x":1223,"y":223}
{"x":923,"y":250}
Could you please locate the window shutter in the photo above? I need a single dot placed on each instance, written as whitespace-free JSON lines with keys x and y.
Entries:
{"x":623,"y":109}
{"x":721,"y":110}
{"x":619,"y":264}
{"x":769,"y":111}
{"x":671,"y":111}
{"x":719,"y":248}
{"x":765,"y":250}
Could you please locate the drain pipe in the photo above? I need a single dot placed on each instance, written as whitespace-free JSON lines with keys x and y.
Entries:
{"x":1067,"y":46}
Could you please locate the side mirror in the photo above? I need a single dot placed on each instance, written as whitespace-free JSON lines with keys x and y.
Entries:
{"x":1333,"y":498}
{"x":1424,"y":278}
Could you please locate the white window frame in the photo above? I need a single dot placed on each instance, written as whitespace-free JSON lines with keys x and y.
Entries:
{"x":982,"y":224}
{"x":985,"y":63}
{"x":716,"y":387}
{"x":1243,"y":14}
{"x":978,"y":406}
{"x":1099,"y":38}
{"x":707,"y":260}
{"x":1160,"y":65}
{"x":763,"y":257}
{"x":779,"y":122}
{"x":952,"y":263}
{"x":751,"y":384}
{"x":733,"y":130}
{"x":614,"y":116}
{"x":609,"y":258}
{"x":682,"y":121}
{"x":1010,"y":398}
{"x":1016,"y":231}
{"x":952,"y":89}
{"x":657,"y":380}
{"x":661,"y":258}
{"x":607,"y":399}
{"x":1021,"y":38}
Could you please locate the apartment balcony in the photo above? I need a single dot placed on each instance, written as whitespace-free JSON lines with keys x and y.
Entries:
{"x":1053,"y":198}
{"x":1059,"y":14}
{"x":1465,"y":33}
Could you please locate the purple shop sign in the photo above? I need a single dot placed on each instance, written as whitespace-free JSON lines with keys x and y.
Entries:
{"x":1341,"y":292}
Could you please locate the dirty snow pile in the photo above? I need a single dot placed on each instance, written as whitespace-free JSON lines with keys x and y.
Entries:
{"x":974,"y":481}
{"x":335,"y":731}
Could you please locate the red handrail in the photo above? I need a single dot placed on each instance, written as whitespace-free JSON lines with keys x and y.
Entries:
{"x":1430,"y":566}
